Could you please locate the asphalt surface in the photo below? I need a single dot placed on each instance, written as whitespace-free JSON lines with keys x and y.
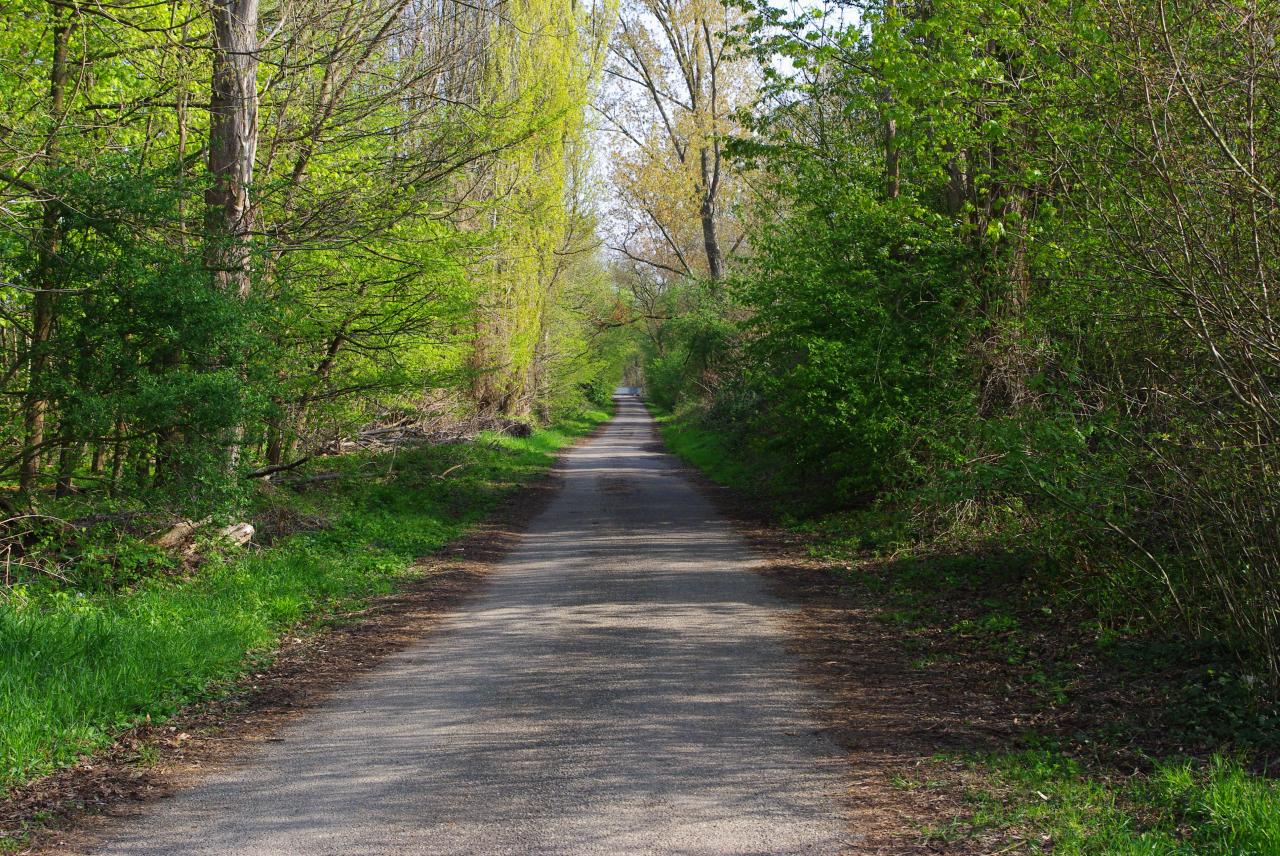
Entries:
{"x":622,"y":686}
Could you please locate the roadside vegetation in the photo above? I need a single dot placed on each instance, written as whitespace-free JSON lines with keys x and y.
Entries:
{"x":1112,"y":738}
{"x":1000,"y":345}
{"x":1000,"y":293}
{"x":129,"y":633}
{"x":289,"y":297}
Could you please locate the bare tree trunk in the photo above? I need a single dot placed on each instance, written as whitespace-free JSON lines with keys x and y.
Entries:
{"x":715,"y":267}
{"x":892,"y":168}
{"x":68,"y":459}
{"x":893,"y":172}
{"x":117,"y":456}
{"x":233,"y":144}
{"x":274,"y":453}
{"x":37,"y":404}
{"x":709,"y":161}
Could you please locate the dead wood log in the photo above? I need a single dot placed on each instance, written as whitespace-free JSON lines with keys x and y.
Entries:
{"x":176,"y":535}
{"x":238,"y":534}
{"x":303,"y":484}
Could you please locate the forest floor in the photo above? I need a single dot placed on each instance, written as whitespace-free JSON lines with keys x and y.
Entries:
{"x":980,"y":719}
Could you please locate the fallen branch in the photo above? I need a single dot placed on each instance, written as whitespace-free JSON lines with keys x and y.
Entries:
{"x":175,"y":535}
{"x":178,"y":534}
{"x":238,"y":534}
{"x":277,"y":468}
{"x":300,"y":484}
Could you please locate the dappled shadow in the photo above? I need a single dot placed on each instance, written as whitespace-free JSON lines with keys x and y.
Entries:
{"x":622,"y":687}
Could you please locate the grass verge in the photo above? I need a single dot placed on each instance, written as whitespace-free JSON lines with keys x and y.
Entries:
{"x":81,"y":665}
{"x":1088,"y":742}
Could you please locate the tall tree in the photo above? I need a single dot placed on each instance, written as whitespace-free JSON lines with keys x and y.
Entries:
{"x":675,"y":88}
{"x":44,"y":280}
{"x":233,"y":144}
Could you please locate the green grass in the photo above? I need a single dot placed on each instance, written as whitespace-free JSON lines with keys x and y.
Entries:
{"x":1177,"y":809}
{"x":707,"y":451}
{"x":77,"y":667}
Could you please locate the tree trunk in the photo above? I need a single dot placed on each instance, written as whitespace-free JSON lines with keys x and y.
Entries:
{"x":1006,"y":371}
{"x":233,"y":145}
{"x":892,"y":168}
{"x":117,"y":456}
{"x":275,"y":440}
{"x":707,"y":211}
{"x":893,"y":172}
{"x":68,"y":459}
{"x":288,"y":442}
{"x":710,"y":241}
{"x":36,"y":405}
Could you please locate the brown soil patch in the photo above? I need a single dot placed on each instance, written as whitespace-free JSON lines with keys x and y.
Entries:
{"x":908,"y":694}
{"x":892,"y":718}
{"x":152,"y":761}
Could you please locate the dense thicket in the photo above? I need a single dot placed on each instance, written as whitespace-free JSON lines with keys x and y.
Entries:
{"x":231,"y":233}
{"x":1012,"y":267}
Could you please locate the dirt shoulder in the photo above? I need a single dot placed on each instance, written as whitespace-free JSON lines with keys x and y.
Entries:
{"x":55,"y":814}
{"x":892,"y":719}
{"x":943,"y":667}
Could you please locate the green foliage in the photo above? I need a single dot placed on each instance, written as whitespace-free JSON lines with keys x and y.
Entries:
{"x":976,"y":303}
{"x":146,"y":341}
{"x":421,"y":239}
{"x":583,"y":354}
{"x":861,"y":335}
{"x":690,"y":350}
{"x":100,"y":557}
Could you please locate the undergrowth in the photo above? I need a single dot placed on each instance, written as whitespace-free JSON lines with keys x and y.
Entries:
{"x":1178,"y":808}
{"x":1183,"y":779}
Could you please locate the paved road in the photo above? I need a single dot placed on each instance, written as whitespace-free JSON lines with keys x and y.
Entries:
{"x":621,"y":687}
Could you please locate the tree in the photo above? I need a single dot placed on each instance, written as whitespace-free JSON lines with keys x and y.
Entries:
{"x":676,"y":85}
{"x":382,"y":215}
{"x":233,"y":144}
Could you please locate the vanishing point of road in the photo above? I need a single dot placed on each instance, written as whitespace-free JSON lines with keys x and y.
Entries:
{"x":621,"y":686}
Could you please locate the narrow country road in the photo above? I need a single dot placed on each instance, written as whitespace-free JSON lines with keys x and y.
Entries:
{"x":622,"y":686}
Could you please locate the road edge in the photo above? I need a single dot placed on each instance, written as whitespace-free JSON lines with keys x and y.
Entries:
{"x":71,"y":809}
